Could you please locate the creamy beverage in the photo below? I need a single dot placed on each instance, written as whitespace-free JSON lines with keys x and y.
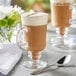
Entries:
{"x":35,"y":34}
{"x":61,"y":14}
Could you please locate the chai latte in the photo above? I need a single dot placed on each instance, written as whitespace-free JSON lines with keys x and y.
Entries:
{"x":61,"y":14}
{"x":35,"y":35}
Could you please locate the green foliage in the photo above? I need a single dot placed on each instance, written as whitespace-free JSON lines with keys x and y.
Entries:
{"x":75,"y":1}
{"x":29,"y":2}
{"x":9,"y":35}
{"x":45,"y":3}
{"x":10,"y":20}
{"x":7,"y":24}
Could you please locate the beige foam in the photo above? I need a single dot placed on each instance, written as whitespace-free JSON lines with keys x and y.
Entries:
{"x":61,"y":1}
{"x":34,"y":18}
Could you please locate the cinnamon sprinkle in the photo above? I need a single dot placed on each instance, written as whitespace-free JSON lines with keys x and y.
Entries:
{"x":32,"y":13}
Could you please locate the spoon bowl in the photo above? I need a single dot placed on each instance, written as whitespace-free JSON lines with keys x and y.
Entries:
{"x":64,"y":59}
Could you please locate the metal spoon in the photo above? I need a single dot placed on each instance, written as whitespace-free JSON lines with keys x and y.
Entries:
{"x":60,"y":63}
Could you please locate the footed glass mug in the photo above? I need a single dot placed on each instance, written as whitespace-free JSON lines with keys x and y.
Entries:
{"x":61,"y":14}
{"x":32,"y":37}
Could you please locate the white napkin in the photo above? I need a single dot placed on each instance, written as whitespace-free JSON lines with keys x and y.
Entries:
{"x":9,"y":56}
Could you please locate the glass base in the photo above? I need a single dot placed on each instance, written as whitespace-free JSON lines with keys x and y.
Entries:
{"x":34,"y":65}
{"x":65,"y":45}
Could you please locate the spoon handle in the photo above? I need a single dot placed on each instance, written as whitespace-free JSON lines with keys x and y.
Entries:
{"x":53,"y":67}
{"x":38,"y":71}
{"x":66,"y":66}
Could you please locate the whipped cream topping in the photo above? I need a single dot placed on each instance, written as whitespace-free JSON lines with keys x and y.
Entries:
{"x":61,"y":1}
{"x":34,"y":18}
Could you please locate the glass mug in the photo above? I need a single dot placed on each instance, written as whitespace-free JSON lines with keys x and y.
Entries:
{"x":32,"y":37}
{"x":61,"y":14}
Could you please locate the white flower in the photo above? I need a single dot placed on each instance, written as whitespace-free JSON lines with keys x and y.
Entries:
{"x":4,"y":11}
{"x":18,"y":9}
{"x":2,"y":15}
{"x":10,"y":16}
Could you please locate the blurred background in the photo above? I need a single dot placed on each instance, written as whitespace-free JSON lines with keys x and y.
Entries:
{"x":42,"y":5}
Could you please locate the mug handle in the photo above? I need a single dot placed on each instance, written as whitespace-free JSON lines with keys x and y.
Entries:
{"x":20,"y":39}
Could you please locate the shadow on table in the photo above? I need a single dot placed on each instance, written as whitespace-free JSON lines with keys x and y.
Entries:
{"x":2,"y":74}
{"x":59,"y":72}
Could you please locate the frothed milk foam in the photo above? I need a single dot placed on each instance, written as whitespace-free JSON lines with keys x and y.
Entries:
{"x":35,"y":23}
{"x":61,"y":1}
{"x":34,"y":19}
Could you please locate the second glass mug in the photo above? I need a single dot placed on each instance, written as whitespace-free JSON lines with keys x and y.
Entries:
{"x":32,"y":37}
{"x":61,"y":14}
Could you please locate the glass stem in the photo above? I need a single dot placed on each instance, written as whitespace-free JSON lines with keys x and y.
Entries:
{"x":34,"y":56}
{"x":61,"y":40}
{"x":61,"y":32}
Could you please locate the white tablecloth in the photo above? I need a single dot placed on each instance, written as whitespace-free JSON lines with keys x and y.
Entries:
{"x":51,"y":56}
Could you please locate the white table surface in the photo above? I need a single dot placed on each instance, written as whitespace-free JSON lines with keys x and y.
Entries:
{"x":51,"y":56}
